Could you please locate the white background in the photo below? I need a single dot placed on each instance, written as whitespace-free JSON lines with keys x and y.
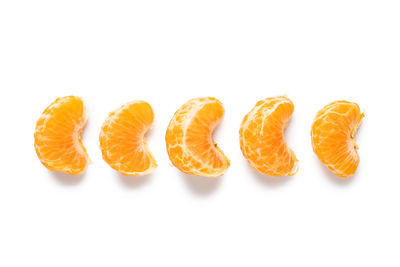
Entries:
{"x":166,"y":52}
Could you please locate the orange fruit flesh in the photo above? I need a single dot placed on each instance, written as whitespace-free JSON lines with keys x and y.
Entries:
{"x":333,"y":137}
{"x":58,"y":136}
{"x":122,"y":139}
{"x":189,"y":140}
{"x":262,"y":138}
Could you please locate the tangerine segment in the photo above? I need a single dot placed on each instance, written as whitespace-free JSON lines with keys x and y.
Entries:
{"x":58,"y":136}
{"x":333,"y":137}
{"x":122,"y":139}
{"x":189,"y":141}
{"x":262,"y":138}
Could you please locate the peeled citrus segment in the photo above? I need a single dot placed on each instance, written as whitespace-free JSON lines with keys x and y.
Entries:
{"x":262,"y":138}
{"x":189,"y":140}
{"x":122,"y":140}
{"x":58,"y":136}
{"x":333,"y":137}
